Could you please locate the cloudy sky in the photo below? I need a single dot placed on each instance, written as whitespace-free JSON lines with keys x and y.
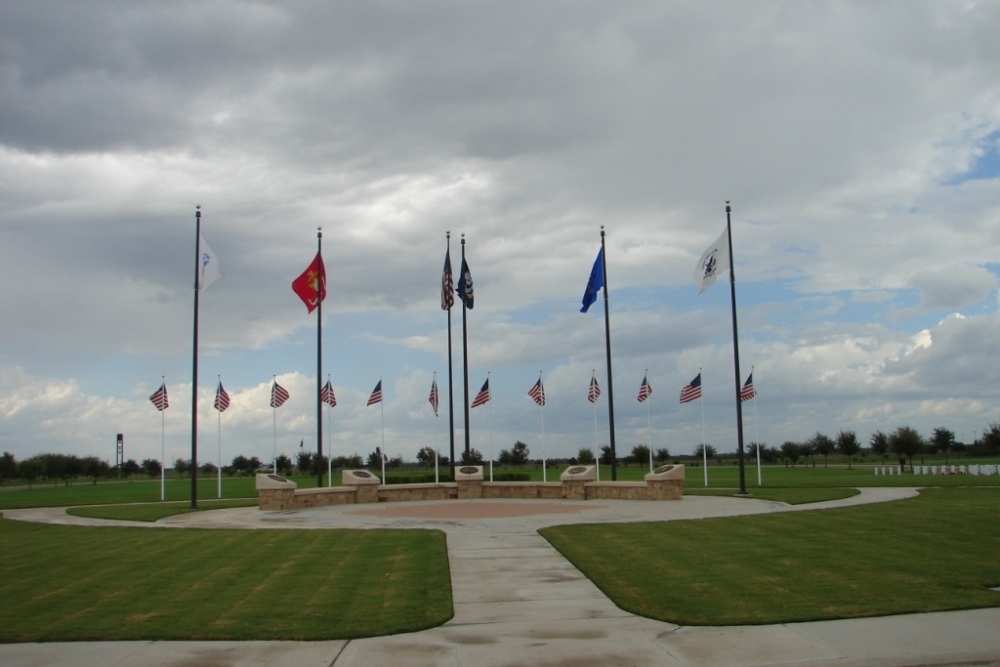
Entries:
{"x":858,"y":142}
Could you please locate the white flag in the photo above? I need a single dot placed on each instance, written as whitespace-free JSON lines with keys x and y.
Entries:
{"x":714,"y":260}
{"x":209,"y":267}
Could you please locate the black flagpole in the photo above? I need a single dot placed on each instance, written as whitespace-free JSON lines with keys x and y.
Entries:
{"x":607,"y":348}
{"x":736,"y":354}
{"x":465,"y":350}
{"x":451,"y":389}
{"x":321,"y":289}
{"x":194,"y":366}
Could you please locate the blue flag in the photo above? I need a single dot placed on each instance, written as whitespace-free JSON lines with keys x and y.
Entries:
{"x":464,"y":288}
{"x":595,"y":283}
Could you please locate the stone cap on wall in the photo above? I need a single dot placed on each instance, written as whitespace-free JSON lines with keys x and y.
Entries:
{"x":667,"y":472}
{"x":272,"y":481}
{"x":579,"y":473}
{"x":358,"y":478}
{"x":469,"y":473}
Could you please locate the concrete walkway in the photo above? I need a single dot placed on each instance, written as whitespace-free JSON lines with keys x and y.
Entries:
{"x":519,"y":602}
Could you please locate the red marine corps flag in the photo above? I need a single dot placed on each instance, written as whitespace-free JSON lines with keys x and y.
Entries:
{"x":311,"y":285}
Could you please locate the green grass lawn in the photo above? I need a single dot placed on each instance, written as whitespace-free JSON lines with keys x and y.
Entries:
{"x":69,"y":583}
{"x":932,"y":553}
{"x":155,"y":511}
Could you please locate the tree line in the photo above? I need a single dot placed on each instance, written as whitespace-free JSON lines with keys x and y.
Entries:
{"x":904,"y":444}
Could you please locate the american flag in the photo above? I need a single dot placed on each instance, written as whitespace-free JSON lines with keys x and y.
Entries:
{"x":159,"y":398}
{"x":278,"y":395}
{"x":644,"y":390}
{"x":376,"y":396}
{"x":433,"y":398}
{"x":447,"y":286}
{"x":595,"y":390}
{"x":326,"y":395}
{"x":221,"y":398}
{"x":483,"y":397}
{"x":692,"y":390}
{"x":537,"y":392}
{"x":747,"y":392}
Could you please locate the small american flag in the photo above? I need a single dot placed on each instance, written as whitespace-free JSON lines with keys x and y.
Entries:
{"x":221,"y":398}
{"x":433,"y":398}
{"x":644,"y":390}
{"x":159,"y":398}
{"x":692,"y":390}
{"x":537,"y":392}
{"x":376,"y":396}
{"x":747,"y":392}
{"x":483,"y":397}
{"x":447,"y":286}
{"x":595,"y":390}
{"x":278,"y":395}
{"x":327,"y":396}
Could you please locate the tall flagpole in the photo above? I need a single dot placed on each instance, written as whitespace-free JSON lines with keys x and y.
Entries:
{"x":544,"y":466}
{"x":320,"y":291}
{"x":593,"y":374}
{"x":756,"y":435}
{"x":704,"y":444}
{"x":329,"y":439}
{"x":219,"y":471}
{"x":465,"y":351}
{"x":163,"y":446}
{"x":194,"y":363}
{"x":274,"y":424}
{"x":489,"y":423}
{"x":736,"y":354}
{"x":451,"y":388}
{"x":649,"y":425}
{"x":607,"y":346}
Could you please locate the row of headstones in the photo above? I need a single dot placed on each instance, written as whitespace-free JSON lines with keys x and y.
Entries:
{"x":942,"y":470}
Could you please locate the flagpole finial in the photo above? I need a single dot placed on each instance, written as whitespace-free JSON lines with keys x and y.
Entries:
{"x":728,"y":209}
{"x":447,"y":234}
{"x":319,"y":232}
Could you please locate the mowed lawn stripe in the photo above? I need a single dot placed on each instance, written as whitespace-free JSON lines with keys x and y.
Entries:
{"x":93,"y":583}
{"x":932,"y":553}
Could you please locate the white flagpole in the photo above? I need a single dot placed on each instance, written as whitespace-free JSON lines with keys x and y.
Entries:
{"x":329,"y":443}
{"x":704,"y":445}
{"x":545,"y":477}
{"x":756,"y":436}
{"x":220,"y":445}
{"x":597,"y":449}
{"x":437,"y":429}
{"x":489,"y":425}
{"x":649,"y":427}
{"x":274,"y":413}
{"x":163,"y":447}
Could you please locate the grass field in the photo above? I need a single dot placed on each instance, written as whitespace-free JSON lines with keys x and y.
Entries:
{"x":936,"y":552}
{"x":64,"y":583}
{"x":70,"y":583}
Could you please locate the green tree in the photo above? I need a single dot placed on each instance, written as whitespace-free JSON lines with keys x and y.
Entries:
{"x":95,"y":468}
{"x":791,"y":451}
{"x":471,"y":458}
{"x":208,"y":468}
{"x":879,"y":444}
{"x":905,"y":442}
{"x":606,"y":456}
{"x":704,"y":451}
{"x":131,"y":467}
{"x":848,"y":445}
{"x":661,"y":455}
{"x":284,"y":465}
{"x":519,"y":454}
{"x":585,"y":456}
{"x":303,"y":460}
{"x":151,"y":467}
{"x":8,"y":466}
{"x":31,"y":469}
{"x":425,"y":457}
{"x":182,"y":466}
{"x":640,"y":454}
{"x":822,"y":445}
{"x":943,"y":440}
